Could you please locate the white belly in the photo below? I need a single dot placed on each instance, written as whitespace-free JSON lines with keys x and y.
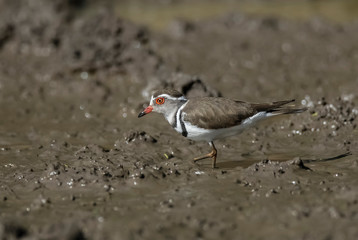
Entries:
{"x":200,"y":134}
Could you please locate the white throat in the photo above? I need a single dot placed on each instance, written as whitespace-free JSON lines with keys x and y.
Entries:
{"x":170,"y":116}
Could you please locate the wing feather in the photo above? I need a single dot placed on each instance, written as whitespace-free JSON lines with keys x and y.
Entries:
{"x":214,"y":113}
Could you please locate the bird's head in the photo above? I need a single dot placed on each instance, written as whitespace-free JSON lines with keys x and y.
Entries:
{"x":164,"y":101}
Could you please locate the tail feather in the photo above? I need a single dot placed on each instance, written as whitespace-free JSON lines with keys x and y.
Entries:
{"x":286,"y":110}
{"x":280,"y":103}
{"x":276,"y":108}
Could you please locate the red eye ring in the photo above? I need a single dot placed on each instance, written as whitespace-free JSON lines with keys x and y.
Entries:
{"x":159,"y":100}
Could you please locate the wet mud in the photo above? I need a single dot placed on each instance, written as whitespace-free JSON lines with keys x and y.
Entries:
{"x":77,"y":163}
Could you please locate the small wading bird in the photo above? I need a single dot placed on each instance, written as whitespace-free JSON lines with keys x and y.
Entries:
{"x":211,"y":118}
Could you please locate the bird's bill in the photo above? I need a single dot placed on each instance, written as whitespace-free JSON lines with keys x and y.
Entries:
{"x":145,"y":111}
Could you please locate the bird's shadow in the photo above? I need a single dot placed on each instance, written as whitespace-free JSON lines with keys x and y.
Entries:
{"x":279,"y":158}
{"x":235,"y":164}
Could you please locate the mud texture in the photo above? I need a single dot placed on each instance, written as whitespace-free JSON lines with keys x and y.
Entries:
{"x":77,"y":163}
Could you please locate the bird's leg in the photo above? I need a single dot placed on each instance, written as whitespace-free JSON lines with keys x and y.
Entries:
{"x":211,"y":155}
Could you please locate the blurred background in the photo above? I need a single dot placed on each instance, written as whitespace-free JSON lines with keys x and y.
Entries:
{"x":159,"y":14}
{"x":77,"y":163}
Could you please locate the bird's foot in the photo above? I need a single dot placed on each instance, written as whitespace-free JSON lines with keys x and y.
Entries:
{"x":211,"y":155}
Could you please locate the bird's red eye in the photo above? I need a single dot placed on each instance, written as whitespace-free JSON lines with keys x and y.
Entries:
{"x":159,"y":100}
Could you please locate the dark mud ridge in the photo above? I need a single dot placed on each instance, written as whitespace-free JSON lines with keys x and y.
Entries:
{"x":76,"y":163}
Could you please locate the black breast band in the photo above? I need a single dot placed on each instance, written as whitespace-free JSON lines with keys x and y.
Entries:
{"x":184,"y":132}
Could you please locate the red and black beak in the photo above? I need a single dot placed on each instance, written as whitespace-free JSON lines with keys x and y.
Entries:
{"x":145,"y":111}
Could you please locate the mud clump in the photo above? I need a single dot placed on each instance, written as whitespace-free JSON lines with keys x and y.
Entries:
{"x":6,"y":32}
{"x":12,"y":230}
{"x":139,"y":136}
{"x":64,"y":230}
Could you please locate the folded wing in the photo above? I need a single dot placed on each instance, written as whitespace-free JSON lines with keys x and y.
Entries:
{"x":214,"y":113}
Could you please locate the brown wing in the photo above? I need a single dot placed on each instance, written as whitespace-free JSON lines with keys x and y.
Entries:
{"x":214,"y":113}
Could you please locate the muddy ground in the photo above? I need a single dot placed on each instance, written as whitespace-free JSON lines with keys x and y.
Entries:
{"x":77,"y":163}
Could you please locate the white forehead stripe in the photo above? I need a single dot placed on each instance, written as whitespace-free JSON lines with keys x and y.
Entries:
{"x":170,"y":97}
{"x":151,"y":100}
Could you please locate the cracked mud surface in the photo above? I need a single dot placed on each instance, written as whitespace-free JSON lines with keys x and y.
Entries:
{"x":77,"y":163}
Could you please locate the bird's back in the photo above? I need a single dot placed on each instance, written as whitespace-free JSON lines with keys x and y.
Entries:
{"x":215,"y":113}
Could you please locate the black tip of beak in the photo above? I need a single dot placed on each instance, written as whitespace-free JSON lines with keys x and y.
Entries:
{"x":141,"y":114}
